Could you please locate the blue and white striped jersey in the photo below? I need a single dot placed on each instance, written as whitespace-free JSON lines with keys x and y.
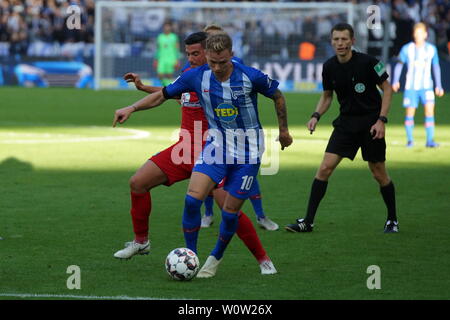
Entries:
{"x":419,"y":61}
{"x":230,"y":106}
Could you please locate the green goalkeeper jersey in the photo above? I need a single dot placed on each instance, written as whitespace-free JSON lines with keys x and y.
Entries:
{"x":167,"y":46}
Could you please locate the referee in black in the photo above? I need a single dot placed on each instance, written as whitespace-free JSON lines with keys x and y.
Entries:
{"x":361,"y":122}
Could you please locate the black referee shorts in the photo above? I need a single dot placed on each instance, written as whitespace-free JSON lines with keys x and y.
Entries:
{"x":346,"y":144}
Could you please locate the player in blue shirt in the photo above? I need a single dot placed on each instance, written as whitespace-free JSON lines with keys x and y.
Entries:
{"x":421,"y":57}
{"x":255,"y":197}
{"x":228,"y":94}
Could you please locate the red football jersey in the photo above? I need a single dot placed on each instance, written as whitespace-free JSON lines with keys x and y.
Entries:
{"x":192,"y":111}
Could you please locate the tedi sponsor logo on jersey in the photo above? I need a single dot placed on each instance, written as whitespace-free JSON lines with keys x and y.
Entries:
{"x":226,"y":112}
{"x":360,"y":87}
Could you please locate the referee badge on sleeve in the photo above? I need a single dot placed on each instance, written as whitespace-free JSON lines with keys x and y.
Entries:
{"x":380,"y":68}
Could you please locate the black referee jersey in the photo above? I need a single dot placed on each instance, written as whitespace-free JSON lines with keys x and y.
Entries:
{"x":355,"y":83}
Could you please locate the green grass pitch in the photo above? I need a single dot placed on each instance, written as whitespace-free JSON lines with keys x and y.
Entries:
{"x":64,"y":200}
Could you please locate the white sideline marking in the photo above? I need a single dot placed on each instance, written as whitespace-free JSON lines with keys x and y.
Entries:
{"x":72,"y":296}
{"x":69,"y":138}
{"x":136,"y":135}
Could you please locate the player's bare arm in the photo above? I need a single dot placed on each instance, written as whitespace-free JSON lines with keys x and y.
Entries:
{"x":136,"y":79}
{"x":280,"y":107}
{"x":148,"y":102}
{"x":322,"y":106}
{"x":378,"y":129}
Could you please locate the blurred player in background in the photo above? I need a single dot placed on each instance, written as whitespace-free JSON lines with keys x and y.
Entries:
{"x":161,"y":169}
{"x":421,"y":57}
{"x":167,"y":54}
{"x":360,"y":124}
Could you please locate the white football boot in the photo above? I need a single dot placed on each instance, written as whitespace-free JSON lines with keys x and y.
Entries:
{"x":133,"y":248}
{"x":207,"y":221}
{"x":267,"y":267}
{"x":209,"y":268}
{"x":267,"y":224}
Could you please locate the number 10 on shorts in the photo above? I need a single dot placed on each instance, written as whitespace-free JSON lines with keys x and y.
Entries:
{"x":247,"y":182}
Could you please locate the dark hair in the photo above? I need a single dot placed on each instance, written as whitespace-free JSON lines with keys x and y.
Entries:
{"x":342,"y":27}
{"x":196,"y":37}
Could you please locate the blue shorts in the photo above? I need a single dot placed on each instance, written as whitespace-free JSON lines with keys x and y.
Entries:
{"x":239,"y":177}
{"x":411,"y":97}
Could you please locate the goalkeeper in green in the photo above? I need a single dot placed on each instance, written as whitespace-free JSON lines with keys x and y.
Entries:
{"x":167,"y":54}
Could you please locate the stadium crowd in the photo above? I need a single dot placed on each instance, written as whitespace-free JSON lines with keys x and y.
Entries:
{"x":28,"y":24}
{"x":37,"y":28}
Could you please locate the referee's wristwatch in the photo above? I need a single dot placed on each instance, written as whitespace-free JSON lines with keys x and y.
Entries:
{"x":316,"y":115}
{"x":383,"y":119}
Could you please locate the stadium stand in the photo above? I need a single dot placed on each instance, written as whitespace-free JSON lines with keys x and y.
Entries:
{"x":36,"y":29}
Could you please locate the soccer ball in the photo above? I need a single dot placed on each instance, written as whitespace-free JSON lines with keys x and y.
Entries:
{"x":182,"y":264}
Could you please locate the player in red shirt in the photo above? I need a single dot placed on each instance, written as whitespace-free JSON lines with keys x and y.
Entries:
{"x":161,"y":168}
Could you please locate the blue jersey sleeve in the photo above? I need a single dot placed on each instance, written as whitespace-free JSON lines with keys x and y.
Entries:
{"x":184,"y":83}
{"x":403,"y":56}
{"x":436,"y":68}
{"x":435,"y":60}
{"x":262,"y":83}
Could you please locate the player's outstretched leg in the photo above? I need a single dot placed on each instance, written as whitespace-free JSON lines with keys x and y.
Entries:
{"x":140,"y":212}
{"x":191,"y":221}
{"x":147,"y":177}
{"x":228,"y":227}
{"x":247,"y":233}
{"x":199,"y":187}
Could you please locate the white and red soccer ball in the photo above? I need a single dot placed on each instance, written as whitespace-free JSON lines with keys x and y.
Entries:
{"x":182,"y":264}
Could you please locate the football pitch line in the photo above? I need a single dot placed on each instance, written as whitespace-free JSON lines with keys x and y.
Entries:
{"x":73,"y":296}
{"x":14,"y":137}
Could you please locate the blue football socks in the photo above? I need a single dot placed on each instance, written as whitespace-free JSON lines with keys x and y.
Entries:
{"x":191,"y":221}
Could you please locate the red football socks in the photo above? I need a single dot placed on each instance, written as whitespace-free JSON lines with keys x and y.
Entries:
{"x":141,"y":206}
{"x":247,"y":233}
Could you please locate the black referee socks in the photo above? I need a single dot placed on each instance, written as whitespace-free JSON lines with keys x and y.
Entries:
{"x":388,"y":193}
{"x":318,"y":190}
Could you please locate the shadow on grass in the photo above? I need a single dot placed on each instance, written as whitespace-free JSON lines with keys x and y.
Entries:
{"x":51,"y":219}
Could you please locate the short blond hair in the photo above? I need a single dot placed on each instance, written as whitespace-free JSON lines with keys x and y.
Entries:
{"x":212,"y":27}
{"x":420,"y":25}
{"x":219,"y":42}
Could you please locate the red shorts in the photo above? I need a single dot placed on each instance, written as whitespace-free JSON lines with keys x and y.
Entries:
{"x":174,"y":172}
